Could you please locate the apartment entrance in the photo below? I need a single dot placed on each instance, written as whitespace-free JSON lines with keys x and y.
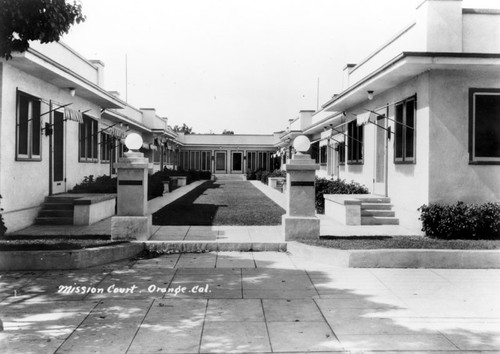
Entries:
{"x":380,"y":173}
{"x":236,"y":162}
{"x":58,"y":154}
{"x":220,"y":162}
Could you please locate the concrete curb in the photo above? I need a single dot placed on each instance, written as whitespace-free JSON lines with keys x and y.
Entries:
{"x":67,"y":259}
{"x":398,"y":258}
{"x":199,"y":246}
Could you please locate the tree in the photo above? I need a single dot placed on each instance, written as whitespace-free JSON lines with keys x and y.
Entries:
{"x":183,"y":129}
{"x":22,"y":21}
{"x":227,"y":132}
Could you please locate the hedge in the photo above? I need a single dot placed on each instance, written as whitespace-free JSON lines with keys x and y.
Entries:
{"x":335,"y":186}
{"x":461,"y":221}
{"x":107,"y":184}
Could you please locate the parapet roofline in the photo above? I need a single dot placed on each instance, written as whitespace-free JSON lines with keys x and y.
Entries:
{"x":406,"y":66}
{"x":46,"y":69}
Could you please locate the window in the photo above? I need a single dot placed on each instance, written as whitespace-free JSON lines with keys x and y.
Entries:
{"x":184,"y":163}
{"x":404,"y":138}
{"x":28,"y":132}
{"x":88,"y":140}
{"x":257,"y":160}
{"x":206,"y":160}
{"x":323,"y":155}
{"x":341,"y":151}
{"x":106,"y":146}
{"x":484,"y":126}
{"x":194,"y":160}
{"x":315,"y":151}
{"x":354,"y":143}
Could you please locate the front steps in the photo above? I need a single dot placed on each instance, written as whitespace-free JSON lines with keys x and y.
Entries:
{"x":56,"y":210}
{"x":230,"y":177}
{"x":377,"y":211}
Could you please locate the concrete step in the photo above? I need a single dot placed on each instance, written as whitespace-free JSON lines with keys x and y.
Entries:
{"x":372,"y":199}
{"x":379,"y":220}
{"x":57,"y":206}
{"x":60,"y":199}
{"x":57,"y":213}
{"x":376,"y":206}
{"x":383,"y":213}
{"x":230,"y":177}
{"x":48,"y":220}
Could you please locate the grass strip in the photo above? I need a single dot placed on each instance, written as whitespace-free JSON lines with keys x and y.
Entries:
{"x":399,"y":242}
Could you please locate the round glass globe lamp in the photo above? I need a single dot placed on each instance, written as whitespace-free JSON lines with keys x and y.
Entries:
{"x":301,"y":144}
{"x":133,"y":141}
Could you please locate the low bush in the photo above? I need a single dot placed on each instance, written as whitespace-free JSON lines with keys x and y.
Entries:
{"x":335,"y":186}
{"x":3,"y":228}
{"x":251,"y":176}
{"x":276,"y":173}
{"x":191,"y":175}
{"x":107,"y":184}
{"x":101,"y":184}
{"x":461,"y":221}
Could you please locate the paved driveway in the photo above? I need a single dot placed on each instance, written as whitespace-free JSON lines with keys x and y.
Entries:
{"x":248,"y":302}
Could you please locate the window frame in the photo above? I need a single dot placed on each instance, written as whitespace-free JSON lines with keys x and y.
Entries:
{"x":106,"y":144}
{"x":405,"y":160}
{"x":355,"y":143}
{"x":92,"y":138}
{"x":473,"y":160}
{"x":341,"y":152}
{"x":29,"y":156}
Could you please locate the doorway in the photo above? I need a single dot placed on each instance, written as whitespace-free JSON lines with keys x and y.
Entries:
{"x":380,"y":173}
{"x":220,"y":162}
{"x":58,"y":154}
{"x":237,"y":162}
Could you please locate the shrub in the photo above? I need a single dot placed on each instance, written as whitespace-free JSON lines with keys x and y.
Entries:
{"x":335,"y":186}
{"x":102,"y":184}
{"x":155,"y":186}
{"x":276,"y":173}
{"x":461,"y":221}
{"x":251,"y":176}
{"x":3,"y":228}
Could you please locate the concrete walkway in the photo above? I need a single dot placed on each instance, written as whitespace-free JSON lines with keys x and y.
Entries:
{"x":248,"y":302}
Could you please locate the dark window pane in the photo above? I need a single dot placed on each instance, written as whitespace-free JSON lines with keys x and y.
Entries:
{"x":95,"y":140}
{"x":487,"y":125}
{"x":398,"y":139}
{"x":410,"y":133}
{"x":82,"y":128}
{"x":360,"y":142}
{"x":36,"y":128}
{"x":23,"y":125}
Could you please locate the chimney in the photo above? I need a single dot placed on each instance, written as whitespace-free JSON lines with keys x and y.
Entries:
{"x":345,"y":77}
{"x":115,"y":93}
{"x":439,"y":26}
{"x":100,"y":72}
{"x":305,"y":118}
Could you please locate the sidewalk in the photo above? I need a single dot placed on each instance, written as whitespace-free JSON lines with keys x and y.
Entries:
{"x":248,"y":302}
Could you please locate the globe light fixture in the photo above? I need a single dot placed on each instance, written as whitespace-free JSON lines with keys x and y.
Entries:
{"x":301,"y":144}
{"x":133,"y":141}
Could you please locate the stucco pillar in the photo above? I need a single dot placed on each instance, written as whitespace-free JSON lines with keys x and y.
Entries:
{"x":132,"y":221}
{"x":300,"y":219}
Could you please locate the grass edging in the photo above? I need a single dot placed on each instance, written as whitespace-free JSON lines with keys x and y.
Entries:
{"x":398,"y":258}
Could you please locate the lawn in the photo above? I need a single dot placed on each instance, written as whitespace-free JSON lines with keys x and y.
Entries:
{"x":401,"y":242}
{"x":221,"y":203}
{"x":41,"y":244}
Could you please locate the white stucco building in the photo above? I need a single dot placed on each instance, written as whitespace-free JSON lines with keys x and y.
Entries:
{"x":419,"y":119}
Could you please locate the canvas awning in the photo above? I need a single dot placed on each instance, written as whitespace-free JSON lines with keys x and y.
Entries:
{"x":71,"y":114}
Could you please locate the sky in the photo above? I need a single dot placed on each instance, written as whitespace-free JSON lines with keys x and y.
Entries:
{"x":242,"y":65}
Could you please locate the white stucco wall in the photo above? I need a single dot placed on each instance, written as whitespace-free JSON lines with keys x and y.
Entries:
{"x":24,"y":184}
{"x":452,"y":178}
{"x":407,"y":183}
{"x":481,"y":32}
